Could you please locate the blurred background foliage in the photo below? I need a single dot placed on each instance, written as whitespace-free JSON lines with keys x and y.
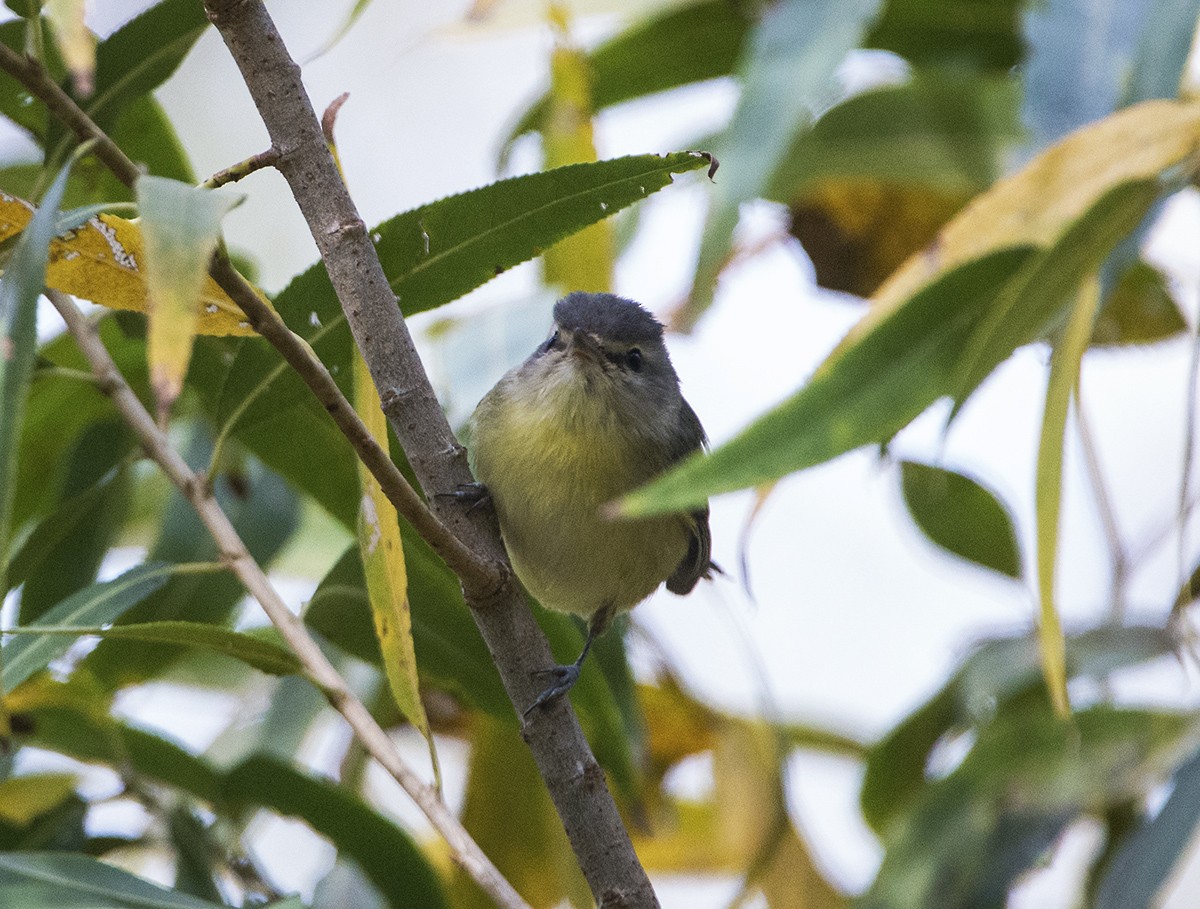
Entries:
{"x":945,"y":191}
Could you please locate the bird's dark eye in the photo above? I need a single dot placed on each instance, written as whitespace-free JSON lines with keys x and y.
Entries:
{"x":633,"y":359}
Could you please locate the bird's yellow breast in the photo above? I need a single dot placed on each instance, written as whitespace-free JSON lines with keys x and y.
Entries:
{"x":549,"y":471}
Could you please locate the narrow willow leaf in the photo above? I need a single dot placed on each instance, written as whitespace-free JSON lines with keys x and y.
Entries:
{"x":787,"y":74}
{"x":688,"y":43}
{"x":384,"y":568}
{"x":181,"y":225}
{"x":24,"y":277}
{"x":76,"y":43}
{"x":67,"y":880}
{"x":1036,"y":204}
{"x":440,"y":251}
{"x":133,"y":61}
{"x":261,"y":654}
{"x":1034,"y":301}
{"x":94,"y":605}
{"x":962,"y":516}
{"x":1028,"y":776}
{"x":1000,"y":672}
{"x":1162,"y":51}
{"x":1142,"y":865}
{"x":102,"y":261}
{"x":864,"y":392}
{"x":1103,"y":169}
{"x":584,"y":260}
{"x":383,"y":850}
{"x":1064,"y":375}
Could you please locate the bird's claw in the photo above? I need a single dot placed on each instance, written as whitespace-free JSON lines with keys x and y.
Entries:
{"x":564,"y":679}
{"x":473,"y":495}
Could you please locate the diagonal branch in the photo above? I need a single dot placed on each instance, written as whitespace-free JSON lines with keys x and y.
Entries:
{"x":575,"y":781}
{"x":474,"y":572}
{"x":235,"y":555}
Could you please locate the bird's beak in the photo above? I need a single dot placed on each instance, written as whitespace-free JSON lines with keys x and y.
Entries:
{"x":583,"y":346}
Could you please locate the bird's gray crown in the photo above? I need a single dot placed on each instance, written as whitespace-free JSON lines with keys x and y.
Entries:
{"x":609,"y":317}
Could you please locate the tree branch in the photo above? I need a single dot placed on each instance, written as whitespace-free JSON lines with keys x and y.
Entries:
{"x":573,"y":778}
{"x":235,"y":555}
{"x":462,"y":560}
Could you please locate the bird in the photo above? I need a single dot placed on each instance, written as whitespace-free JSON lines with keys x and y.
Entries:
{"x":593,"y":413}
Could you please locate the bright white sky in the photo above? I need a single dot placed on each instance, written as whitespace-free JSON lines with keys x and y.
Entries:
{"x":856,"y":617}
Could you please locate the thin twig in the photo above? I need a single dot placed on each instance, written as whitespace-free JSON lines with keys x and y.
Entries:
{"x":290,"y":627}
{"x":574,"y":780}
{"x":242,"y":169}
{"x":1189,"y":449}
{"x":1104,"y":506}
{"x":474,"y":571}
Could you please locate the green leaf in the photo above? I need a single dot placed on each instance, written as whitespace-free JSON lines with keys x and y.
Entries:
{"x":1001,"y":670}
{"x":61,"y":410}
{"x":1026,"y":778}
{"x":943,"y":339}
{"x":983,"y":35}
{"x":450,"y":653}
{"x":1161,"y":57}
{"x":68,"y":881}
{"x":97,"y":604}
{"x":1141,"y":866}
{"x":892,"y":366}
{"x":941,"y":131}
{"x":1139,"y":309}
{"x":136,"y":59}
{"x":385,"y":852}
{"x":16,"y":102}
{"x":440,"y":251}
{"x":1037,"y":298}
{"x":196,"y":855}
{"x":180,"y":225}
{"x":64,"y":552}
{"x":962,"y":516}
{"x":787,"y":72}
{"x":1070,"y":82}
{"x":24,"y":276}
{"x":261,"y":654}
{"x":688,"y":43}
{"x":265,"y":513}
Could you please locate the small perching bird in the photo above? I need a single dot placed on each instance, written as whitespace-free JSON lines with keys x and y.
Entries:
{"x":594,"y":413}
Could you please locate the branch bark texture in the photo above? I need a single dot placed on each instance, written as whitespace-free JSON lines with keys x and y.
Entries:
{"x":575,"y":781}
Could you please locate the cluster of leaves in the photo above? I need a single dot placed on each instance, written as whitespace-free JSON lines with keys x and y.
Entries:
{"x":1047,"y":253}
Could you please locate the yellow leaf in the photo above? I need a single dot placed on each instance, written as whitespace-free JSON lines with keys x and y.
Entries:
{"x":857,"y":232}
{"x":1036,"y":204}
{"x":384,"y":568}
{"x":677,"y":725}
{"x":75,"y":42}
{"x":181,"y":226}
{"x":1064,"y":376}
{"x":508,"y":813}
{"x":584,"y":260}
{"x":23,"y":798}
{"x":102,"y":261}
{"x":687,"y":842}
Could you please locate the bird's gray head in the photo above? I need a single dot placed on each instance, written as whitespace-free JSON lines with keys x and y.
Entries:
{"x":610,"y":350}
